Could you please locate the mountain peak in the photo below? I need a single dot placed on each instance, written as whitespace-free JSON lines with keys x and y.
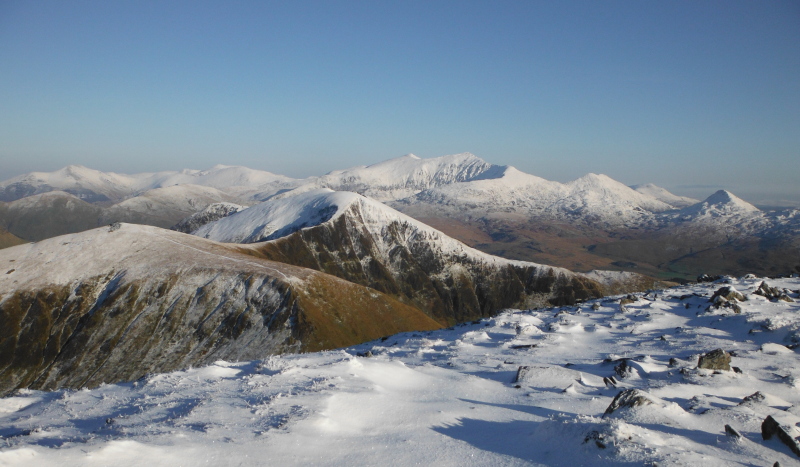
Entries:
{"x":726,"y":198}
{"x":721,"y":203}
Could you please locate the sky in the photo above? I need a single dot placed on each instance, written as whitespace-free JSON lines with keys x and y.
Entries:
{"x":690,"y":95}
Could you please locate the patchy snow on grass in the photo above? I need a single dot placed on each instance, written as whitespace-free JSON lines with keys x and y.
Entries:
{"x":527,"y":387}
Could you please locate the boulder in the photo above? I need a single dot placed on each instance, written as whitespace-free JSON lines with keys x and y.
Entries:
{"x":715,"y":360}
{"x":729,"y":293}
{"x":628,"y":398}
{"x":770,"y":427}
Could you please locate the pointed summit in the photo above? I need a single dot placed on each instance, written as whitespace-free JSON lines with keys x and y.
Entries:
{"x":721,"y":203}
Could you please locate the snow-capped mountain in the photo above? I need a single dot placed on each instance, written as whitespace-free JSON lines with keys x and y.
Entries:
{"x":589,"y":199}
{"x":93,"y":185}
{"x":526,"y":387}
{"x":364,"y":241}
{"x":115,"y":303}
{"x":404,"y":176}
{"x":164,"y":207}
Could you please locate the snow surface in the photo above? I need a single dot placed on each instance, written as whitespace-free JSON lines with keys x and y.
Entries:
{"x":449,"y":397}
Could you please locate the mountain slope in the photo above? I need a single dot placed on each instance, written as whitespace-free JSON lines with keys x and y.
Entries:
{"x":113,"y":304}
{"x":366,"y":242}
{"x":48,"y":214}
{"x":662,"y":194}
{"x":164,"y":207}
{"x":7,"y":239}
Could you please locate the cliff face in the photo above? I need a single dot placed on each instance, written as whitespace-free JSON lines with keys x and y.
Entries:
{"x":442,"y":277}
{"x":149,"y":311}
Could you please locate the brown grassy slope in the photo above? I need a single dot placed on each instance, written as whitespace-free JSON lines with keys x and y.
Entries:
{"x":7,"y":239}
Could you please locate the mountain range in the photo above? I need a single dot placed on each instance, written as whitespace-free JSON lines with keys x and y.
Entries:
{"x":585,"y":224}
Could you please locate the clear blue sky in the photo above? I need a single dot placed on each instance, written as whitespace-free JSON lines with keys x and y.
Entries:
{"x":679,"y":93}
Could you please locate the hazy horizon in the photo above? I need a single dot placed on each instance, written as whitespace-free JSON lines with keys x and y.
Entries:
{"x":689,"y":96}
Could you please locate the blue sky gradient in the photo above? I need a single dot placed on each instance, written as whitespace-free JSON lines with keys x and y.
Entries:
{"x":689,"y":95}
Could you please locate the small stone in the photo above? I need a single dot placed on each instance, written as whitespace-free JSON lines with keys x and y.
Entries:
{"x":522,"y":371}
{"x":595,"y":306}
{"x":730,"y":431}
{"x":673,"y":361}
{"x":715,"y":360}
{"x":736,"y":369}
{"x":610,"y":381}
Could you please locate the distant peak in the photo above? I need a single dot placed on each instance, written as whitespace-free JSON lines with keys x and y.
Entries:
{"x":723,"y":197}
{"x":727,"y":201}
{"x":412,"y":156}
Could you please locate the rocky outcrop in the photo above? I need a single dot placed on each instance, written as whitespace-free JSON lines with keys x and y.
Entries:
{"x":785,"y":433}
{"x":211,"y":213}
{"x":628,"y":398}
{"x":715,"y":360}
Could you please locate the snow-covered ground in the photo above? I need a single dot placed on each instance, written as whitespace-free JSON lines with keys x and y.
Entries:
{"x":449,"y":397}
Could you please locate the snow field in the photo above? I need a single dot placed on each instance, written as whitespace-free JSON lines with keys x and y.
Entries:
{"x":451,"y":397}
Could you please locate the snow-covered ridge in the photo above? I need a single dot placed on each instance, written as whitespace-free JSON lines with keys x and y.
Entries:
{"x":280,"y":217}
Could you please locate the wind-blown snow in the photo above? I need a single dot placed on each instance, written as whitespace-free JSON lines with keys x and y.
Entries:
{"x":449,"y":397}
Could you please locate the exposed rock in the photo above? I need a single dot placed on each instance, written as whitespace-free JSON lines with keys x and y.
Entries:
{"x":732,"y":432}
{"x":772,"y":293}
{"x":624,"y":370}
{"x":706,"y":278}
{"x":756,"y":398}
{"x":212,"y":212}
{"x":715,"y":360}
{"x":521,"y":373}
{"x":770,"y":427}
{"x":628,"y":398}
{"x":729,"y":293}
{"x":628,"y":300}
{"x":597,"y":437}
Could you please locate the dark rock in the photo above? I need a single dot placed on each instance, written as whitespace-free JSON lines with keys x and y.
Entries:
{"x":595,"y":306}
{"x":628,"y":398}
{"x":597,"y":437}
{"x":770,"y":427}
{"x":730,"y":431}
{"x":728,"y":293}
{"x":707,"y":278}
{"x":521,"y":373}
{"x":765,"y":290}
{"x":673,"y":361}
{"x":610,"y":381}
{"x":736,"y":369}
{"x":755,"y":398}
{"x":715,"y":360}
{"x":366,"y":354}
{"x":624,"y":370}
